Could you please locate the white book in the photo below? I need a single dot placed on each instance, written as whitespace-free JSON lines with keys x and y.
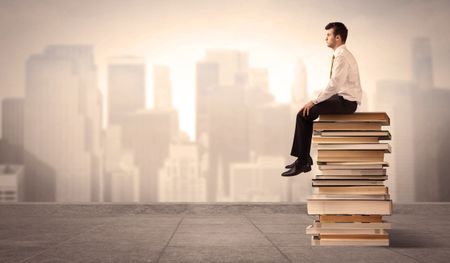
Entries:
{"x":353,"y":172}
{"x":353,"y":225}
{"x":350,"y":207}
{"x":316,"y":241}
{"x":345,"y":182}
{"x":349,"y":197}
{"x":343,"y":177}
{"x":356,"y":146}
{"x":352,"y":165}
{"x":312,"y":230}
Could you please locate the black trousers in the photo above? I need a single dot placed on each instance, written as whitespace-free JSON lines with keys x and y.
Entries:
{"x":304,"y":125}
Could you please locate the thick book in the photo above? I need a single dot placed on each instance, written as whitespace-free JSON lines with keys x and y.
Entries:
{"x":359,"y":126}
{"x":343,"y":177}
{"x":351,"y":190}
{"x":351,"y":165}
{"x":316,"y":182}
{"x":352,"y":225}
{"x":349,"y":197}
{"x":317,"y":230}
{"x":343,"y":140}
{"x":364,"y":207}
{"x":350,"y":156}
{"x":323,"y":241}
{"x":381,"y":135}
{"x":380,"y":117}
{"x":353,"y":172}
{"x":351,"y":218}
{"x":356,"y":146}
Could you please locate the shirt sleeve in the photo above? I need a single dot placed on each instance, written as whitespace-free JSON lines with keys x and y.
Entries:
{"x":338,"y":76}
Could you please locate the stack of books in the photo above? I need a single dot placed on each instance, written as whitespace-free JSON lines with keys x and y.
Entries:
{"x":349,"y":197}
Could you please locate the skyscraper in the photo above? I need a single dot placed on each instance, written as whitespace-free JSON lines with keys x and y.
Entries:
{"x":147,"y":134}
{"x":162,"y":88}
{"x":207,"y":79}
{"x":232,"y":63}
{"x":422,"y":63}
{"x":126,"y":87}
{"x":62,"y":126}
{"x":11,"y":151}
{"x":299,"y":87}
{"x":181,"y":179}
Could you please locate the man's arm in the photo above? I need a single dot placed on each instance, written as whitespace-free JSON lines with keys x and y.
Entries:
{"x":339,"y":74}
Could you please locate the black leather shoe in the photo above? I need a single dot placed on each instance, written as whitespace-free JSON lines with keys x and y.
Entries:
{"x":289,"y":166}
{"x":297,"y":169}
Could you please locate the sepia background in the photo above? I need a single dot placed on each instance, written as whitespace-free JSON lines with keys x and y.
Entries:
{"x":195,"y":101}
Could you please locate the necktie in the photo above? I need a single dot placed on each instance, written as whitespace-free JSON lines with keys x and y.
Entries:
{"x":331,"y":70}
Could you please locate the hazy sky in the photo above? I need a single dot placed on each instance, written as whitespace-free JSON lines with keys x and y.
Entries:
{"x":275,"y":33}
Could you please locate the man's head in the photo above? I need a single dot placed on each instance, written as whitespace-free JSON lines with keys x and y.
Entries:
{"x":336,"y":34}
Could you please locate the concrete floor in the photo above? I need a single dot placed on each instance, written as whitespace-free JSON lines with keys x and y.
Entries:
{"x":262,"y":232}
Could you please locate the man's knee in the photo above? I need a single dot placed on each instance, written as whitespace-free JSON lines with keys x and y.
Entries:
{"x":308,"y":117}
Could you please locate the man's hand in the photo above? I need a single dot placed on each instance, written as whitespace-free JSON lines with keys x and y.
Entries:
{"x":306,"y":108}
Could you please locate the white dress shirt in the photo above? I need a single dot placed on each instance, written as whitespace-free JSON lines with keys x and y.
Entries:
{"x":344,"y":79}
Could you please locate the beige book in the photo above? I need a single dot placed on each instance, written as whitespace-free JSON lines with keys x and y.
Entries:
{"x":351,"y":165}
{"x":337,"y":126}
{"x":343,"y":140}
{"x":355,"y":177}
{"x":353,"y":172}
{"x":356,"y":146}
{"x":380,"y":117}
{"x":349,"y":197}
{"x":352,"y":225}
{"x":356,"y":190}
{"x":345,"y":182}
{"x":316,"y":241}
{"x":350,"y":156}
{"x":314,"y":230}
{"x":381,"y":135}
{"x":365,"y":207}
{"x":351,"y":218}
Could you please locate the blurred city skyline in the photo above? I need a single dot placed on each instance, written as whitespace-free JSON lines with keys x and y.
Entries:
{"x":197,"y":102}
{"x":275,"y":34}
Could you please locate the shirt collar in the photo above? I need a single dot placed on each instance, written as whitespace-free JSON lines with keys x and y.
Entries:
{"x":339,"y":49}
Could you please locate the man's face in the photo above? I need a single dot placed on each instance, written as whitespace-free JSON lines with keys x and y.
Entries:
{"x":330,"y":39}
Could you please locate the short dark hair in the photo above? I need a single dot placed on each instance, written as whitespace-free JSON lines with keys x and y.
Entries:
{"x":339,"y":29}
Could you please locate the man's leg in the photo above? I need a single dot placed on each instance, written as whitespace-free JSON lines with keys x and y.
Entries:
{"x":304,"y":125}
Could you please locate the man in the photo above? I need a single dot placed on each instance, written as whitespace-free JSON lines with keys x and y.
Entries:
{"x":342,"y":95}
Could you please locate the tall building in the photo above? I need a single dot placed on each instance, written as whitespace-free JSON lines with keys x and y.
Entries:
{"x":299,"y":89}
{"x":162,"y":88}
{"x":422,"y":63}
{"x":147,"y":135}
{"x":255,"y":181}
{"x":11,"y":151}
{"x":228,"y":135}
{"x":62,"y":126}
{"x":207,"y":79}
{"x":121,"y":172}
{"x":232,"y":64}
{"x":181,"y":177}
{"x":431,"y":118}
{"x":126,"y":87}
{"x":259,"y":79}
{"x":11,"y":183}
{"x":387,"y":96}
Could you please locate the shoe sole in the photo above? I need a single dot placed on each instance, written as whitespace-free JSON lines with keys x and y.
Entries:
{"x":308,"y":168}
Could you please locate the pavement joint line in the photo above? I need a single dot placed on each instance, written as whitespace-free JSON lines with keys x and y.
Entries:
{"x":397,"y":252}
{"x":62,"y":242}
{"x":265,"y":236}
{"x":170,"y":239}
